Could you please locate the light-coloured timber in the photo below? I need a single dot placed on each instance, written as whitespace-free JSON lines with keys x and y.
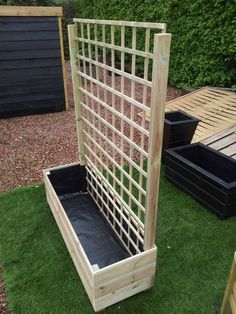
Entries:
{"x":159,"y":87}
{"x":224,"y":142}
{"x":63,"y":62}
{"x":72,"y":31}
{"x":158,"y":26}
{"x":111,"y":140}
{"x":30,"y":11}
{"x":229,"y":301}
{"x":216,"y":108}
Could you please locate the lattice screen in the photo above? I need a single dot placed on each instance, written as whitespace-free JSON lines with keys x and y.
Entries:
{"x":113,"y":92}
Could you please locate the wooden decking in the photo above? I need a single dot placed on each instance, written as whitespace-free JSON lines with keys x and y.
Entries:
{"x":224,"y":141}
{"x":215,"y":107}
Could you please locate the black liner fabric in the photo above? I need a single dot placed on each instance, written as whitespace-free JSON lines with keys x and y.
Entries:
{"x":99,"y":241}
{"x":70,"y":179}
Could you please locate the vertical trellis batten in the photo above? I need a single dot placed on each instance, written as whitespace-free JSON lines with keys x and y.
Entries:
{"x":72,"y":31}
{"x":159,"y":81}
{"x":118,"y":169}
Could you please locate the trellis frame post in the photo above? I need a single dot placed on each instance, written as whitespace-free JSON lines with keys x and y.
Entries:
{"x":158,"y":98}
{"x":229,"y":301}
{"x":73,"y":47}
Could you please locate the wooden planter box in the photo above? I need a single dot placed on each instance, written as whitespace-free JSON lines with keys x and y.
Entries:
{"x":207,"y":175}
{"x":179,"y":128}
{"x":106,"y":214}
{"x":108,"y":272}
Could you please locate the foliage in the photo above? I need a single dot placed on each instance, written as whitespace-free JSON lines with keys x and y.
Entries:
{"x":195,"y":251}
{"x":203,"y":35}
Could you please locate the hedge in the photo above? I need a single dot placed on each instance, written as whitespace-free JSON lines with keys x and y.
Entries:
{"x":203,"y":50}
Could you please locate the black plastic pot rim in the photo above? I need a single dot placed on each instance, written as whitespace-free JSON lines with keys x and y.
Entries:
{"x":191,"y":118}
{"x":173,"y":152}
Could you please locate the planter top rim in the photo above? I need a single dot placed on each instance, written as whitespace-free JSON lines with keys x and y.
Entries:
{"x":188,"y":119}
{"x":174,"y":152}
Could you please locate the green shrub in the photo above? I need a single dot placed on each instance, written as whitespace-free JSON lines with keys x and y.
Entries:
{"x":203,"y":50}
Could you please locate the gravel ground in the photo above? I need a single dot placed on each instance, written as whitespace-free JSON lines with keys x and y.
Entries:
{"x":32,"y":143}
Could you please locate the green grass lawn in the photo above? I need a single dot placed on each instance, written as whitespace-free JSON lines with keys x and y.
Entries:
{"x":195,"y":251}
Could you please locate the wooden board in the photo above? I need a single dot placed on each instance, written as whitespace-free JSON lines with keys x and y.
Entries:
{"x":229,"y":301}
{"x":224,"y":142}
{"x":30,"y":11}
{"x":215,"y":107}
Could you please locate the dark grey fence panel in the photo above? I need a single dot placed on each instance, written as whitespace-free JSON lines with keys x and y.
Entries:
{"x":31,"y":78}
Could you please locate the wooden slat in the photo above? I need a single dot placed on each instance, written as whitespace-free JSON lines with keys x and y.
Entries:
{"x":30,"y":11}
{"x":224,"y":142}
{"x":63,"y":63}
{"x":72,"y":30}
{"x":116,"y":47}
{"x":159,"y":79}
{"x":161,"y":26}
{"x":117,"y":71}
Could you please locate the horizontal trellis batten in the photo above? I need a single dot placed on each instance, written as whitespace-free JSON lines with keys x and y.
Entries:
{"x":119,"y":150}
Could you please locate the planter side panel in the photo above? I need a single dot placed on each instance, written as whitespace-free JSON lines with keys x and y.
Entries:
{"x":216,"y":194}
{"x":124,"y":279}
{"x":70,"y":239}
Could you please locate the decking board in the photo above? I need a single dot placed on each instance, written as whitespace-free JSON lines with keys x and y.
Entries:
{"x":215,"y":107}
{"x":224,"y":141}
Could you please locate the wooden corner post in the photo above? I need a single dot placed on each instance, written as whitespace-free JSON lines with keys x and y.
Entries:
{"x":229,"y":301}
{"x":63,"y":62}
{"x":73,"y":46}
{"x":158,"y":97}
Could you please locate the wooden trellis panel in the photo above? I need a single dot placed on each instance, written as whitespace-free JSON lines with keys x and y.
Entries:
{"x":224,"y":142}
{"x":113,"y":140}
{"x":229,"y":302}
{"x":215,"y":108}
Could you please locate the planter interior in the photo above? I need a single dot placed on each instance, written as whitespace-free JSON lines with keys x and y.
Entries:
{"x":177,"y":116}
{"x":179,"y":128}
{"x":109,"y":272}
{"x":96,"y":236}
{"x":205,"y":174}
{"x":211,"y":161}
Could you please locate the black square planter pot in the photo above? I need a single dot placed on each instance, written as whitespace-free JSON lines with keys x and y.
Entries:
{"x":207,"y":175}
{"x":179,"y":128}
